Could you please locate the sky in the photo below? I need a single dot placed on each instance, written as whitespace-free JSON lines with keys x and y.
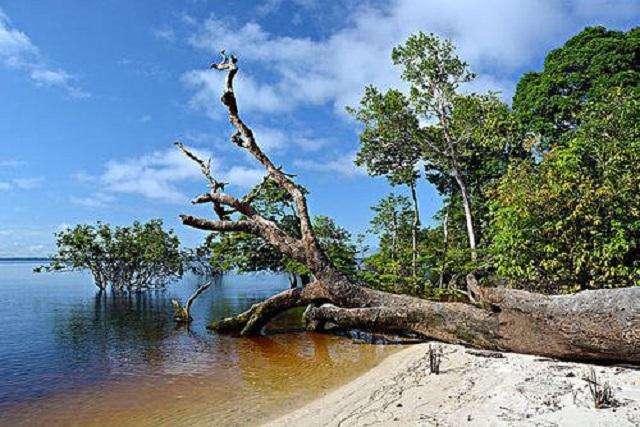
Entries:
{"x":93,"y":95}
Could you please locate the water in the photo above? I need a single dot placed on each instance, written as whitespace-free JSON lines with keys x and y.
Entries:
{"x":72,"y":355}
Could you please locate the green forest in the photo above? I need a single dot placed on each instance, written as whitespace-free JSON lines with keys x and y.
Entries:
{"x":541,"y":195}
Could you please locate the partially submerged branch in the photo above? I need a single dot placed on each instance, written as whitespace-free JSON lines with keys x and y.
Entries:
{"x":182,"y":313}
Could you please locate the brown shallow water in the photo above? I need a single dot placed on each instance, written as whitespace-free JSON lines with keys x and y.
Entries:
{"x":263,"y":378}
{"x":72,"y":356}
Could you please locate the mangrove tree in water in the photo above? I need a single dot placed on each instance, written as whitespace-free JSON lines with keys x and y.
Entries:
{"x":136,"y":257}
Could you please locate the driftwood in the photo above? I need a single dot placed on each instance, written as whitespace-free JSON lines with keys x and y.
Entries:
{"x":602,"y":325}
{"x":182,"y":313}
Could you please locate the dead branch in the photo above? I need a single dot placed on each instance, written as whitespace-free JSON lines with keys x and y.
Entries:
{"x":244,"y":137}
{"x":182,"y":313}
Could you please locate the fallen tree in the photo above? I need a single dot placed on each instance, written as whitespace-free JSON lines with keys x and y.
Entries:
{"x":602,"y":325}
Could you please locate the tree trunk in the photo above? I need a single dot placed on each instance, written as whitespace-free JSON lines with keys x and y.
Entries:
{"x":414,"y":230}
{"x":601,"y":325}
{"x":182,"y":313}
{"x":466,"y":204}
{"x":394,"y":237}
{"x":445,"y":243}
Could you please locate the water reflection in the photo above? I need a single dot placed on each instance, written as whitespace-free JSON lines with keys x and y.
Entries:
{"x":81,"y":357}
{"x":117,"y":329}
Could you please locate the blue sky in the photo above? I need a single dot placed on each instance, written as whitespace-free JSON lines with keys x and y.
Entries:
{"x":92,"y":95}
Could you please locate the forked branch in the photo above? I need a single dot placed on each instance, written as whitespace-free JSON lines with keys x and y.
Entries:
{"x":306,"y":248}
{"x":182,"y":313}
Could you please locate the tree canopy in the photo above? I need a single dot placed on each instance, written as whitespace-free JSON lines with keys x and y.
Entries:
{"x":135,"y":257}
{"x":463,"y":141}
{"x":586,"y":67}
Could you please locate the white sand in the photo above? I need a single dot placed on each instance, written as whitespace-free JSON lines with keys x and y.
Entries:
{"x":475,"y":391}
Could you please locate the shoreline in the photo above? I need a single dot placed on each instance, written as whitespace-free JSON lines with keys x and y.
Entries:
{"x":510,"y":389}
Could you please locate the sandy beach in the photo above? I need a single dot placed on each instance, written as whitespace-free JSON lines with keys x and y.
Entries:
{"x":473,"y":389}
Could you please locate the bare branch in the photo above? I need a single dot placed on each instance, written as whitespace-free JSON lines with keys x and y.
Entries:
{"x":243,"y":137}
{"x":246,"y":226}
{"x":258,"y":226}
{"x":182,"y":313}
{"x":225,"y":199}
{"x":205,"y":167}
{"x":196,"y":294}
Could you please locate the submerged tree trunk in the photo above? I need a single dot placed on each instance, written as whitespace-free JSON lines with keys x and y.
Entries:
{"x":182,"y":313}
{"x":601,"y":325}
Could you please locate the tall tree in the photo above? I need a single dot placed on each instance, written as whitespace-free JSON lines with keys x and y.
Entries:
{"x":390,"y":145}
{"x":467,"y":130}
{"x":586,"y":67}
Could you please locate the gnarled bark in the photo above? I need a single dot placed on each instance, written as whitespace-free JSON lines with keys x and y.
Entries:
{"x":599,"y":325}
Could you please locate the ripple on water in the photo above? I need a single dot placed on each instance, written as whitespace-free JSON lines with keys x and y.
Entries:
{"x":72,"y":355}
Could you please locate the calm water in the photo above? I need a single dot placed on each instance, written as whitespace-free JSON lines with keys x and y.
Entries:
{"x":71,"y":355}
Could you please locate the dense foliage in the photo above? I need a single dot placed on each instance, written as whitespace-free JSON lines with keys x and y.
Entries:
{"x":135,"y":257}
{"x":543,"y":197}
{"x":588,"y":66}
{"x":572,"y":221}
{"x":464,"y":143}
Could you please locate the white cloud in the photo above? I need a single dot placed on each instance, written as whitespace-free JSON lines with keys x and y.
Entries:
{"x":167,"y":34}
{"x":268,"y":7}
{"x":342,"y":165}
{"x":18,"y":51}
{"x":44,"y":77}
{"x":27,"y":183}
{"x":243,"y":176}
{"x":20,"y":184}
{"x":145,"y":118}
{"x":255,"y":97}
{"x":99,"y":200}
{"x":309,"y":143}
{"x":84,"y":177}
{"x":272,"y":139}
{"x":154,"y":175}
{"x":15,"y":46}
{"x":160,"y":175}
{"x":11,"y":163}
{"x":497,"y":37}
